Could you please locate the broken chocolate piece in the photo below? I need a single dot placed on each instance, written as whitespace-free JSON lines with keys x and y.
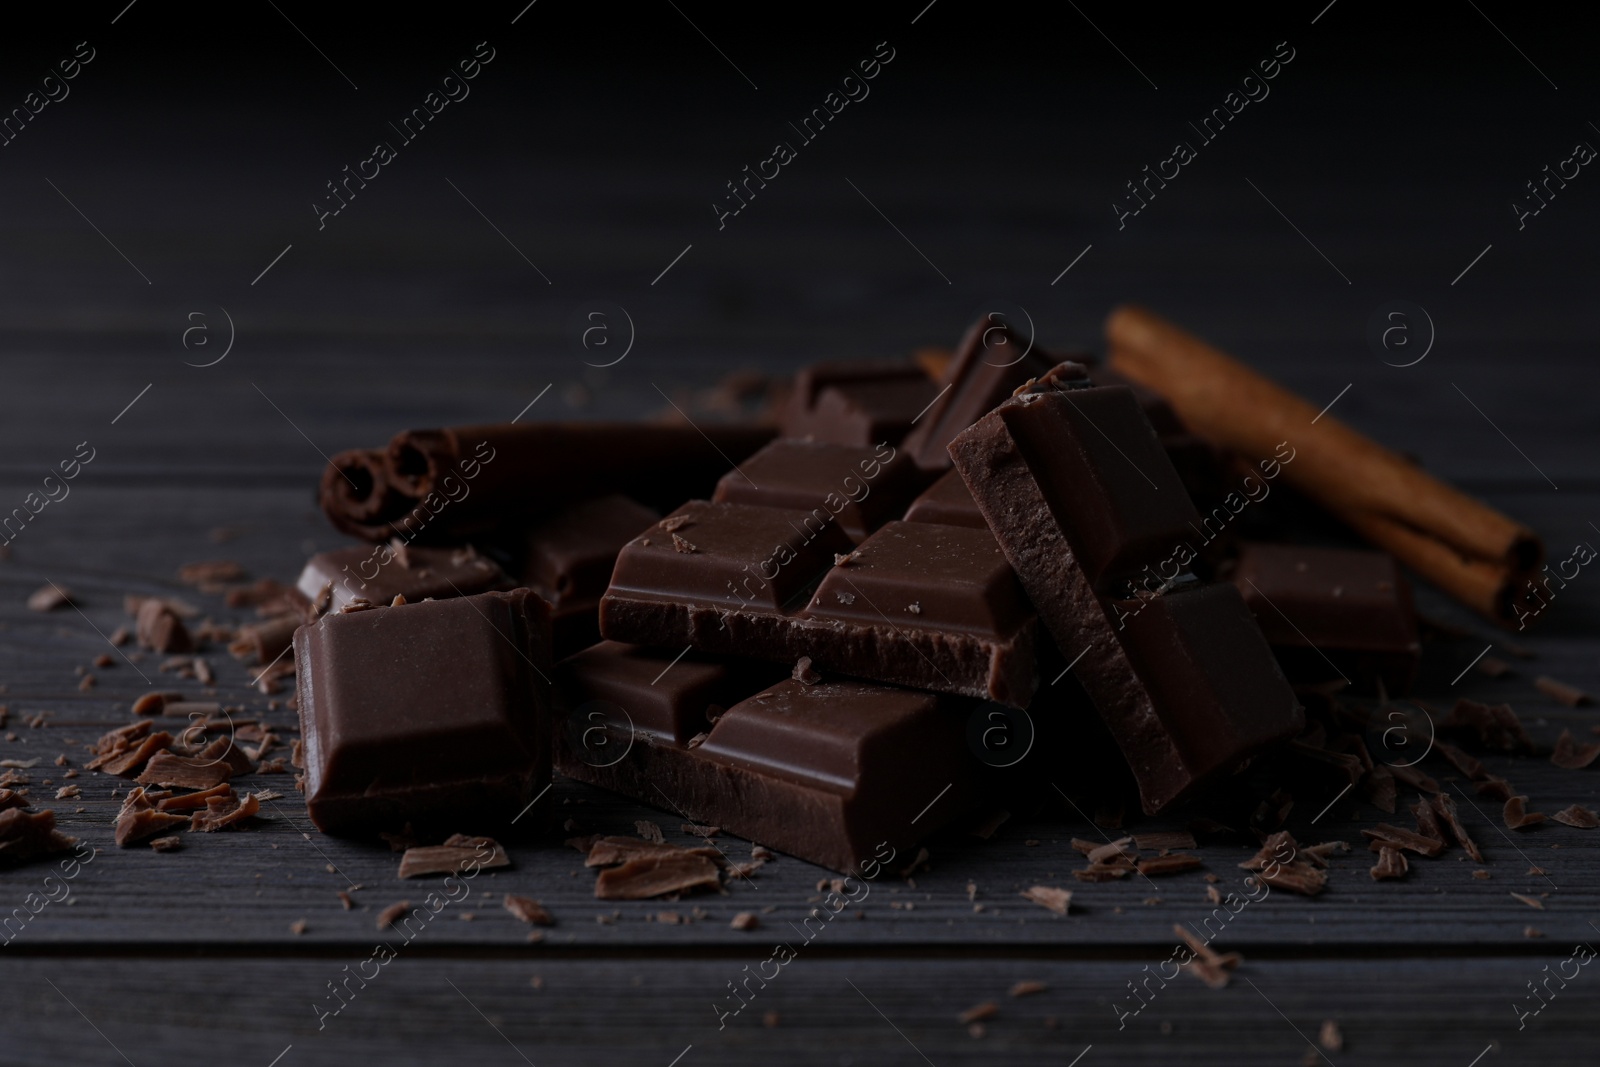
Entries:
{"x":435,"y":709}
{"x":1578,"y":816}
{"x":379,"y":573}
{"x":528,"y":910}
{"x":745,"y":591}
{"x":160,"y":629}
{"x":643,"y":877}
{"x":858,"y":487}
{"x":1051,"y":897}
{"x":1090,"y":514}
{"x":1391,"y":864}
{"x":857,"y":404}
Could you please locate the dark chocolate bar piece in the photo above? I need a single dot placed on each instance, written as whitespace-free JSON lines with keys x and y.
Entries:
{"x":825,"y":772}
{"x":1088,"y":509}
{"x":567,"y":560}
{"x":947,"y":502}
{"x":988,"y":366}
{"x":859,"y":486}
{"x":1333,"y":613}
{"x":379,"y":573}
{"x":436,"y":713}
{"x":857,"y":404}
{"x":917,"y":604}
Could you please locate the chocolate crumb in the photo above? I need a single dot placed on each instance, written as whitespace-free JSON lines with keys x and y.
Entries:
{"x":1532,"y":931}
{"x":1050,"y":897}
{"x":745,"y":920}
{"x":649,"y":831}
{"x":1494,"y":667}
{"x":978,"y":1012}
{"x":683,"y":544}
{"x":298,"y":927}
{"x":842,"y":558}
{"x":1027,"y":987}
{"x":387,"y":917}
{"x":1391,"y":864}
{"x":347,"y":900}
{"x":769,"y":1019}
{"x":1330,"y":1038}
{"x":528,"y":910}
{"x":674,"y":523}
{"x":49,"y":598}
{"x":170,"y":843}
{"x":804,"y":673}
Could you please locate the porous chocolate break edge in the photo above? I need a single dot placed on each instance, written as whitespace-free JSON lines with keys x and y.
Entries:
{"x":996,"y":467}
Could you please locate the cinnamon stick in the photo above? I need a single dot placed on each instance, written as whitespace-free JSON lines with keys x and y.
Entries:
{"x":1462,"y":545}
{"x":456,"y":483}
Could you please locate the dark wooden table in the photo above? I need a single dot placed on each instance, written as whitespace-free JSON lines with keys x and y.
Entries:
{"x":412,"y":308}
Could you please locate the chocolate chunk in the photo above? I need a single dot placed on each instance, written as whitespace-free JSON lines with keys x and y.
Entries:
{"x":1333,"y":612}
{"x":988,"y":366}
{"x":435,"y":709}
{"x":1090,"y":514}
{"x":857,"y":404}
{"x":379,"y":573}
{"x":568,"y":561}
{"x":860,"y":487}
{"x":745,"y":592}
{"x":160,"y":629}
{"x":948,"y":502}
{"x":814,"y":770}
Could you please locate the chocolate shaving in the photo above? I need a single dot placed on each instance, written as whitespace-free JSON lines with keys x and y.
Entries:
{"x":1444,"y":806}
{"x":1296,"y":877}
{"x":528,"y":910}
{"x":1517,"y":815}
{"x":1027,"y":987}
{"x":606,"y":851}
{"x":451,"y":857}
{"x":978,"y":1012}
{"x":1427,"y":819}
{"x":387,"y":917}
{"x":1164,"y":839}
{"x":184,"y":772}
{"x":649,"y":831}
{"x":1561,"y":692}
{"x":1577,"y":816}
{"x":131,"y":759}
{"x":1493,"y":726}
{"x":1572,"y":756}
{"x":1049,"y":897}
{"x":1171,"y":864}
{"x":1492,"y":785}
{"x":139,"y":819}
{"x":1118,"y":848}
{"x":1413,"y":777}
{"x":1398,"y":837}
{"x":28,"y":835}
{"x":221,"y":813}
{"x":1494,"y":667}
{"x":1208,"y":965}
{"x":1391,"y":864}
{"x":643,"y":877}
{"x":191,"y":801}
{"x":1460,"y":761}
{"x":170,"y":843}
{"x":1532,"y":902}
{"x":1379,"y":788}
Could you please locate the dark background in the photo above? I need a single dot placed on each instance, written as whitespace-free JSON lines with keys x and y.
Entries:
{"x":596,"y":141}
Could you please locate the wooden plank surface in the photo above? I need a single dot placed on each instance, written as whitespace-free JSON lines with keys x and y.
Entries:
{"x":997,"y":166}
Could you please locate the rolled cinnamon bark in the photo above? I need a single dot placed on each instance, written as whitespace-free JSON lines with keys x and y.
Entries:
{"x":469,"y":480}
{"x":357,"y":495}
{"x":1467,"y":548}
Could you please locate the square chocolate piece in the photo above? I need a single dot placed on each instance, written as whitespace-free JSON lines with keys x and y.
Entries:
{"x":947,"y":502}
{"x":379,"y":573}
{"x":435,"y":712}
{"x":860,"y":487}
{"x":568,"y":558}
{"x":855,"y":404}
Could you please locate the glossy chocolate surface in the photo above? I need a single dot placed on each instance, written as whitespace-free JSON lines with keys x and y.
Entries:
{"x":430,"y":711}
